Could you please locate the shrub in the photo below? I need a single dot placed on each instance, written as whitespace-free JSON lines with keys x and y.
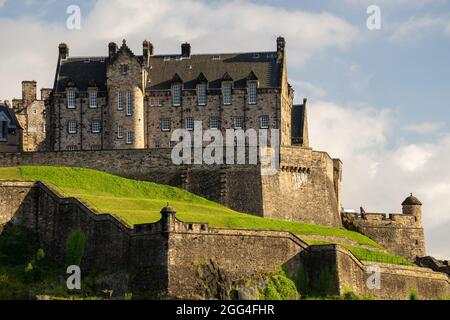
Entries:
{"x":16,"y":246}
{"x":413,"y":295}
{"x":11,"y":289}
{"x":40,"y":255}
{"x":279,"y":287}
{"x":75,"y":246}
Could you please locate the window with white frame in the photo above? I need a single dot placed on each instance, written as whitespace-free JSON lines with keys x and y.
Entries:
{"x":201,"y":93}
{"x":120,"y":132}
{"x":264,"y":122}
{"x":214,"y":123}
{"x":226,"y":91}
{"x":96,"y":126}
{"x":252,"y":91}
{"x":130,"y":137}
{"x":176,"y":94}
{"x":72,"y":127}
{"x":238,"y":122}
{"x":92,"y":99}
{"x":120,"y":101}
{"x":157,"y":144}
{"x":189,"y":124}
{"x":165,"y":125}
{"x":130,"y":104}
{"x":71,"y":99}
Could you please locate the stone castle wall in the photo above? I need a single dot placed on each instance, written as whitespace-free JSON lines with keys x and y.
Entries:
{"x":304,"y":190}
{"x":401,"y":234}
{"x":177,"y":259}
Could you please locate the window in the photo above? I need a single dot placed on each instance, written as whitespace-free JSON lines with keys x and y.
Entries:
{"x":92,"y":99}
{"x":165,"y":125}
{"x":227,"y":93}
{"x":238,"y":122}
{"x":96,"y":126}
{"x":252,"y":88}
{"x":130,"y":105}
{"x":201,"y":93}
{"x":3,"y":130}
{"x":130,"y":137}
{"x":160,"y":102}
{"x":214,"y":123}
{"x":176,"y":94}
{"x":72,"y":127}
{"x":124,"y":69}
{"x":265,"y":122}
{"x":72,"y":148}
{"x":120,"y":101}
{"x":120,"y":132}
{"x":189,"y":124}
{"x":157,"y":145}
{"x":71,"y":99}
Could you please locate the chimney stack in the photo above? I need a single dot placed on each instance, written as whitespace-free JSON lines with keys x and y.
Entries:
{"x":63,"y":51}
{"x":281,"y":46}
{"x":112,"y":49}
{"x":186,"y":50}
{"x":147,"y":50}
{"x":28,"y":92}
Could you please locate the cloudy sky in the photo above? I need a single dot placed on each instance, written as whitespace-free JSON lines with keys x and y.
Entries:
{"x":378,"y":99}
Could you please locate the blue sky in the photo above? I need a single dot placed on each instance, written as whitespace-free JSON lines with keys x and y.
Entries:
{"x":379,"y":100}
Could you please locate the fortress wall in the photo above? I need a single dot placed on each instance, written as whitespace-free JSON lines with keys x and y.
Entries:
{"x":401,"y":234}
{"x":304,"y":189}
{"x":209,"y":258}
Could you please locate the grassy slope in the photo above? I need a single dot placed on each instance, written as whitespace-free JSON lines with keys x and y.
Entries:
{"x":140,"y":202}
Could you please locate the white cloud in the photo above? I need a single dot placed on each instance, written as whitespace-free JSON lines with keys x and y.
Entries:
{"x":2,"y":3}
{"x":210,"y":27}
{"x":425,"y":127}
{"x":378,"y":175}
{"x":414,"y":28}
{"x":305,"y":89}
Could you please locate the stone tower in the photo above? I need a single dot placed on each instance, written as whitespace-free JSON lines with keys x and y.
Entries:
{"x":124,"y":123}
{"x":413,"y":206}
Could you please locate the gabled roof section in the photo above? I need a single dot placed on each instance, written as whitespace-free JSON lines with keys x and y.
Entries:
{"x":124,"y":49}
{"x":201,"y":78}
{"x":9,"y":114}
{"x":252,"y":77}
{"x":176,"y":78}
{"x":226,"y":77}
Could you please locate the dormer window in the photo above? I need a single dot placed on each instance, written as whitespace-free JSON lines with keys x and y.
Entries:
{"x":252,"y":92}
{"x":71,"y":100}
{"x":227,"y":89}
{"x":124,"y":69}
{"x":176,"y":94}
{"x":252,"y":87}
{"x":92,"y":98}
{"x":201,"y":93}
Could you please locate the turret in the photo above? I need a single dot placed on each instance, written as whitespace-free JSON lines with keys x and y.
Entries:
{"x":413,"y":206}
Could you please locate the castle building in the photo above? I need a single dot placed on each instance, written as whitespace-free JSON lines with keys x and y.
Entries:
{"x":128,"y":101}
{"x":31,"y":115}
{"x":10,"y":130}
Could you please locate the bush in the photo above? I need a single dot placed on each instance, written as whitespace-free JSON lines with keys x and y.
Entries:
{"x":279,"y":287}
{"x":413,"y":295}
{"x":75,"y":246}
{"x":11,"y":289}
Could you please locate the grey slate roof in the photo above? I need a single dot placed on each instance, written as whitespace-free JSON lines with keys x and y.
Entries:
{"x":163,"y":68}
{"x":82,"y":73}
{"x":239,"y":66}
{"x":13,"y":123}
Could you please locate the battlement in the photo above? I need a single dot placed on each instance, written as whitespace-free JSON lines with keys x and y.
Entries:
{"x":387,"y":219}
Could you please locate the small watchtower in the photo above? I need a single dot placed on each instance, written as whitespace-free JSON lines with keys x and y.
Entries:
{"x":413,"y":206}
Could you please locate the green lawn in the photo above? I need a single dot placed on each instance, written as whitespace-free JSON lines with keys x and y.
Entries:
{"x":138,"y":202}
